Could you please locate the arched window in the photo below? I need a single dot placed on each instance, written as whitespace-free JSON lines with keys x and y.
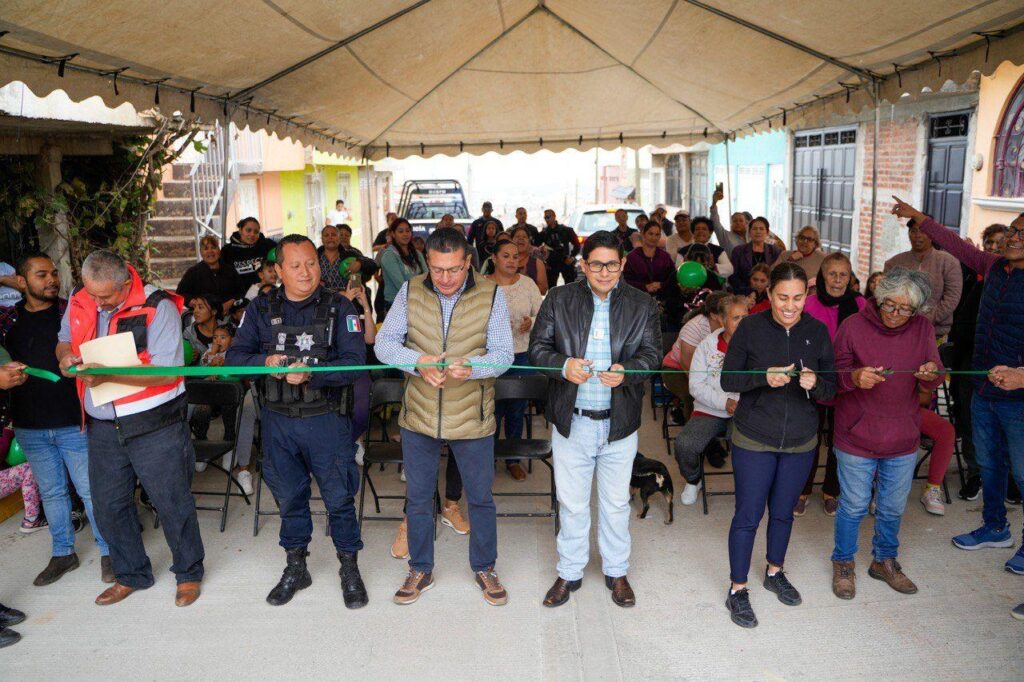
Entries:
{"x":1008,"y":169}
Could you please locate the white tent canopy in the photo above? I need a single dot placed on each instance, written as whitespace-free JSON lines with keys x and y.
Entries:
{"x":396,"y":77}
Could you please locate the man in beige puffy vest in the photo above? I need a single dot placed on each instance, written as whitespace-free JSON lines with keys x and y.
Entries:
{"x":450,"y":315}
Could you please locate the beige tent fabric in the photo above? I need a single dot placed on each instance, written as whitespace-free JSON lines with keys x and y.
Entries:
{"x":402,"y":77}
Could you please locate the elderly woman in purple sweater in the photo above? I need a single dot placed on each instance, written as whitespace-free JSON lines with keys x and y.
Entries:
{"x":877,"y":421}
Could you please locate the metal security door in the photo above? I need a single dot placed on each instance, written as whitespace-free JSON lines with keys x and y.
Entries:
{"x":824,"y":164}
{"x":947,"y":161}
{"x":697,"y":174}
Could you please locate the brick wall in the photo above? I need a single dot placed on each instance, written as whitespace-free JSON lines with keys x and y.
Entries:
{"x":899,"y":160}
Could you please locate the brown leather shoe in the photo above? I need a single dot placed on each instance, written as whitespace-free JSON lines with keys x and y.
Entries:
{"x":516,"y":471}
{"x":113,"y":594}
{"x":560,"y":591}
{"x":891,"y":572}
{"x":844,"y":580}
{"x":187,"y":594}
{"x":416,"y":583}
{"x":622,"y":593}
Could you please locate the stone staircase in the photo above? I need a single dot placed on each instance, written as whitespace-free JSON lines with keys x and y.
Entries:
{"x":172,"y":237}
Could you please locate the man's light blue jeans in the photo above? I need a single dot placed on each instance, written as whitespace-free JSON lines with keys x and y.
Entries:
{"x":856,"y":476}
{"x":575,"y":459}
{"x":54,"y":455}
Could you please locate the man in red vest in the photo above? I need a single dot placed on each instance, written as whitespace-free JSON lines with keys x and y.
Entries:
{"x":143,"y":436}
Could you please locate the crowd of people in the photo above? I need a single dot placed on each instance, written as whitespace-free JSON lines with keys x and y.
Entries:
{"x":773,"y":357}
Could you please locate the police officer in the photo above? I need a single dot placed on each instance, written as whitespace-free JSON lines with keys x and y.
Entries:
{"x":305,"y":416}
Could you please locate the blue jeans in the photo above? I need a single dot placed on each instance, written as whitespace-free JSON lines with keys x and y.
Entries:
{"x":764,"y":479}
{"x":575,"y":459}
{"x":54,"y":455}
{"x":856,"y":478}
{"x":163,"y":461}
{"x":475,"y":459}
{"x":998,"y":429}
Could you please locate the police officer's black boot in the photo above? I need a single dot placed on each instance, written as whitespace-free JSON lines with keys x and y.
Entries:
{"x":352,"y":588}
{"x":296,"y":577}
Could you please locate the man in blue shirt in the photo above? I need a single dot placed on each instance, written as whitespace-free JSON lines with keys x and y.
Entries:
{"x":305,"y":415}
{"x":593,"y":329}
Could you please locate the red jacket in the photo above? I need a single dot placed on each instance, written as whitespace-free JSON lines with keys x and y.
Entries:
{"x":134,"y":315}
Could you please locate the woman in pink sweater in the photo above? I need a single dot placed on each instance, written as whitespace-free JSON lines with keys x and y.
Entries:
{"x":833,"y":301}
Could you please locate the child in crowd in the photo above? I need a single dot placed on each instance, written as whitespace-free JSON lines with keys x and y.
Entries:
{"x":222,"y":337}
{"x":20,"y":476}
{"x":758,"y":296}
{"x":268,"y":279}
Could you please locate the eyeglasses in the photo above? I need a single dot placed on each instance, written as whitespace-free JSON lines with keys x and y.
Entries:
{"x":893,"y":309}
{"x":612,"y":267}
{"x":1012,"y":232}
{"x":437,"y":272}
{"x":805,"y":238}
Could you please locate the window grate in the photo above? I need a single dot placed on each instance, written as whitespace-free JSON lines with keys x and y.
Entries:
{"x":950,"y":125}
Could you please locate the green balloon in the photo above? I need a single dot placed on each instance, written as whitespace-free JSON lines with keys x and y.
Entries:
{"x":344,"y":265}
{"x":15,"y":455}
{"x":272,"y":255}
{"x":186,"y":346}
{"x":691,"y":274}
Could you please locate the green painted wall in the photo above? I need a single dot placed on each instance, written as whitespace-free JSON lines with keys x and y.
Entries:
{"x":293,"y":202}
{"x":293,"y":196}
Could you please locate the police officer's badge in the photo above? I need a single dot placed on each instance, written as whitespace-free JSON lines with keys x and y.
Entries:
{"x":304,"y":341}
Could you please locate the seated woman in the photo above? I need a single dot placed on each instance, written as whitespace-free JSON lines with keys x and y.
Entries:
{"x":712,"y":407}
{"x":807,"y":254}
{"x":204,"y":322}
{"x":878,"y":421}
{"x":746,"y":256}
{"x":702,"y":229}
{"x":704,"y":319}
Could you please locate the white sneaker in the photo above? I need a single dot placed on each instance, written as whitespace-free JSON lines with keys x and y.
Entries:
{"x":402,"y":475}
{"x":245,"y":480}
{"x":932,"y":500}
{"x":200,"y":467}
{"x":689,"y":494}
{"x":360,"y":452}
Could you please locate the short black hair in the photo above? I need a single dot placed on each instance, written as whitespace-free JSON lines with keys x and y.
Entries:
{"x":344,"y":227}
{"x":447,"y":240}
{"x":602,"y":239}
{"x":21,"y":265}
{"x":694,"y":222}
{"x":292,"y":239}
{"x":229,"y":328}
{"x":785,"y":271}
{"x":339,"y":201}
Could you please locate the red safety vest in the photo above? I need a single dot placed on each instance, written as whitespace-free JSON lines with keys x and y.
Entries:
{"x":135,"y":315}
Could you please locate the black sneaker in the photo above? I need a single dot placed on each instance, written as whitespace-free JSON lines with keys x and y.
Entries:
{"x":783,"y":589}
{"x":971,"y":490}
{"x":739,"y":608}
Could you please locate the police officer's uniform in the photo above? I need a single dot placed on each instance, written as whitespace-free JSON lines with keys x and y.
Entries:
{"x":306,"y":428}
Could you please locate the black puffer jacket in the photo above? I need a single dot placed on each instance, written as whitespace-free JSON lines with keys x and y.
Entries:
{"x":782,"y":417}
{"x":245,"y":259}
{"x":561,"y":331}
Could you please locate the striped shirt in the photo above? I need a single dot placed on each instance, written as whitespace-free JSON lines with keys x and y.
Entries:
{"x":593,"y":395}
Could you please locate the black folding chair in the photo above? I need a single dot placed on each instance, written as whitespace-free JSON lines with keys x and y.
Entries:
{"x":384,"y":393}
{"x":225,"y":395}
{"x":705,"y":475}
{"x":532,"y":388}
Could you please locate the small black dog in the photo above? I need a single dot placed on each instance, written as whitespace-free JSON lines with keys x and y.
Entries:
{"x":651,"y":476}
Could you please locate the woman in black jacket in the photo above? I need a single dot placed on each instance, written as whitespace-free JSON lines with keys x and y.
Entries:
{"x":244,"y":254}
{"x":775,"y":428}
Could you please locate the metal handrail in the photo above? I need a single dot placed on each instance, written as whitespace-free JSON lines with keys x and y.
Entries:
{"x":207,"y":183}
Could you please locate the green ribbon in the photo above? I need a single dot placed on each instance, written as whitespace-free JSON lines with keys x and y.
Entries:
{"x":41,"y":374}
{"x":199,"y":371}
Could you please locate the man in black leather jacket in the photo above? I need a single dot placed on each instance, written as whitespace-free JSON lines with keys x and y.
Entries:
{"x":591,"y":328}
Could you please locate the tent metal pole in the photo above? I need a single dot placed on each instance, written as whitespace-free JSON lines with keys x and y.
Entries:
{"x":728,"y":178}
{"x":225,"y":180}
{"x":874,"y":178}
